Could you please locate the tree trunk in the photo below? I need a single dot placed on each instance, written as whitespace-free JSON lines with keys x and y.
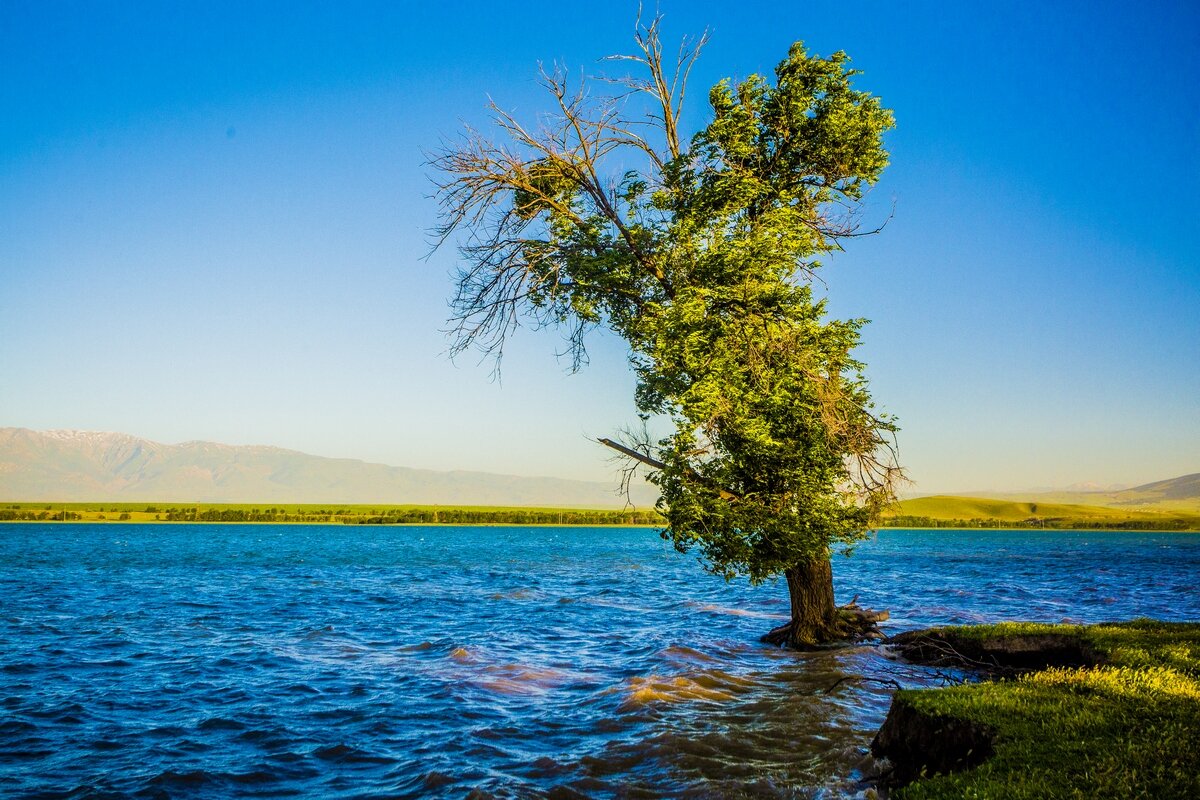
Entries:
{"x":815,"y":619}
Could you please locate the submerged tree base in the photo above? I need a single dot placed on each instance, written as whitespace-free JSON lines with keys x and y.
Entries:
{"x":816,"y":622}
{"x":849,"y":624}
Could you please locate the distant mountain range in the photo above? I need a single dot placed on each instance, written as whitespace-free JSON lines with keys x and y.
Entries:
{"x":86,"y":466}
{"x":1185,"y":487}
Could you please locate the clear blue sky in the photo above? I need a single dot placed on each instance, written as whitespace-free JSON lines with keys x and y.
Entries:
{"x":213,"y":218}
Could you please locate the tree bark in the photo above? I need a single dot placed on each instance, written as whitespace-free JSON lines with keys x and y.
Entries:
{"x":816,"y":621}
{"x":814,"y":616}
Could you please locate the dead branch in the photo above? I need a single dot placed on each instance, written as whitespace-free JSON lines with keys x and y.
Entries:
{"x":634,"y":454}
{"x":650,"y":461}
{"x":863,"y":679}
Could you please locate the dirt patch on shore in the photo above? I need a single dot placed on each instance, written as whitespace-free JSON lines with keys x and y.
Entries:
{"x":918,"y":743}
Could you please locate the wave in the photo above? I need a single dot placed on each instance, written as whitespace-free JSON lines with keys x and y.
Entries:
{"x":712,"y":608}
{"x":712,"y":686}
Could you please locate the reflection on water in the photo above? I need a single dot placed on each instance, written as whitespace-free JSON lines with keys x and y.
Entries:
{"x":211,"y":661}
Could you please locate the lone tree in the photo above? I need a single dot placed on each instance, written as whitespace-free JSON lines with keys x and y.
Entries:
{"x":699,"y":252}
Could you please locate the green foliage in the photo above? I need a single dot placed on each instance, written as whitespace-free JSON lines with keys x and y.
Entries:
{"x":701,"y":261}
{"x":742,"y":359}
{"x":1124,"y":729}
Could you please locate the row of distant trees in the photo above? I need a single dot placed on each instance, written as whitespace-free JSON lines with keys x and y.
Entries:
{"x":29,"y":514}
{"x":518,"y":516}
{"x":462,"y":516}
{"x":449,"y":516}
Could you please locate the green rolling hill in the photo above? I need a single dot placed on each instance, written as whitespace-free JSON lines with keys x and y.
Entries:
{"x":985,"y":511}
{"x":1174,"y":495}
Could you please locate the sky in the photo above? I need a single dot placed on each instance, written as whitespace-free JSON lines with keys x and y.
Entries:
{"x":214,"y":225}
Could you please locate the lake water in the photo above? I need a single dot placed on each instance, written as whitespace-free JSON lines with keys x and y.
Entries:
{"x":210,"y":661}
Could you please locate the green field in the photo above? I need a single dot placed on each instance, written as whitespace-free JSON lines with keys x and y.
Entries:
{"x":968,"y":512}
{"x":921,"y":512}
{"x":322,"y":513}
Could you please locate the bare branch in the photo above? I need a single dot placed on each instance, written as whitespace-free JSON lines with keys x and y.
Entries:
{"x":667,"y":91}
{"x":650,"y":461}
{"x":634,"y":454}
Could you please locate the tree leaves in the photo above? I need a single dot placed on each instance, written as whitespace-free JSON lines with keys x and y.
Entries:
{"x":700,"y":259}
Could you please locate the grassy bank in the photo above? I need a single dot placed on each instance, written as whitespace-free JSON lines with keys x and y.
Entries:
{"x":322,"y":513}
{"x":1125,"y":726}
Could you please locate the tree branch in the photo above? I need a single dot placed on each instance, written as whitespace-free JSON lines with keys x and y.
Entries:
{"x":634,"y":454}
{"x":659,"y":465}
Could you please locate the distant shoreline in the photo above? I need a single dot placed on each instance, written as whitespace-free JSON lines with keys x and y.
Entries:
{"x":166,"y":523}
{"x":321,"y":514}
{"x":941,"y":513}
{"x":947,"y":528}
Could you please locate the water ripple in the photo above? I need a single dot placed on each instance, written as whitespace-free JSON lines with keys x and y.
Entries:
{"x":270,"y":661}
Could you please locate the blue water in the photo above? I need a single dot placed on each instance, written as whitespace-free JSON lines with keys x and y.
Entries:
{"x":210,"y":661}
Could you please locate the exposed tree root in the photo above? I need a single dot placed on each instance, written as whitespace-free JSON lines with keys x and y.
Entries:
{"x":861,"y":623}
{"x":850,"y":624}
{"x":999,"y":655}
{"x":778,"y":636}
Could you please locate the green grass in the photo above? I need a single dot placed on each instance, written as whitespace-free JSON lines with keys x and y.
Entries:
{"x":923,"y":512}
{"x":317,"y":513}
{"x":947,"y":510}
{"x":1127,"y":728}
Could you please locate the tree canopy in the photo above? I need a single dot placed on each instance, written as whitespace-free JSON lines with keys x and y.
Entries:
{"x":700,"y":253}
